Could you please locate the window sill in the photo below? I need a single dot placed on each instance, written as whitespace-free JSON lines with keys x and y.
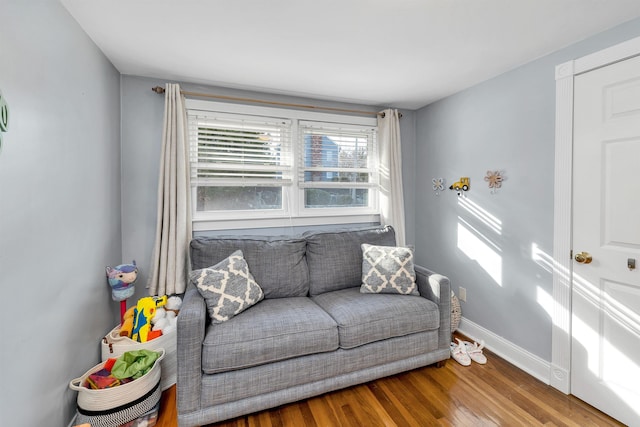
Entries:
{"x":200,"y":225}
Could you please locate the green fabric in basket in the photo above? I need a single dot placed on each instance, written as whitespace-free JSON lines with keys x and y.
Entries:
{"x":134,"y":364}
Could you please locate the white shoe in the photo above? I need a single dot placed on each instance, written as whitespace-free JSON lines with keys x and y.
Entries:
{"x":474,"y":351}
{"x":459,"y":353}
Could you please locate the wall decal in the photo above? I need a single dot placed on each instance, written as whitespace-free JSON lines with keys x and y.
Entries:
{"x":438,"y":185}
{"x":494,"y":178}
{"x":463,"y":185}
{"x":4,"y":117}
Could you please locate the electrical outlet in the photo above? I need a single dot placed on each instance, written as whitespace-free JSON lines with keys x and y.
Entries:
{"x":462,"y":294}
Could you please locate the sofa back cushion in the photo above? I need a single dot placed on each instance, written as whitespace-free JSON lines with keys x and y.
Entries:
{"x":278,"y":264}
{"x":335,"y":257}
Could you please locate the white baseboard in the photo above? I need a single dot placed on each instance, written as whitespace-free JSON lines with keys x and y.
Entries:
{"x":73,"y":421}
{"x":528,"y":362}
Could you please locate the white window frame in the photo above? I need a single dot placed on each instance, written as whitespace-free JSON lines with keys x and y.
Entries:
{"x":372,"y":186}
{"x":293,"y":212}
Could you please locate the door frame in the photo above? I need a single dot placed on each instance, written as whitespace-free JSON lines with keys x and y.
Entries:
{"x":560,"y":375}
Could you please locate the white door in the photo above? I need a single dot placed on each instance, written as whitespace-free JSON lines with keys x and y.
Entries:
{"x":605,"y":353}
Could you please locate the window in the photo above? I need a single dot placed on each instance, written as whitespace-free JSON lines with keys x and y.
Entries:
{"x":336,"y":168}
{"x":239,"y":163}
{"x":278,"y":167}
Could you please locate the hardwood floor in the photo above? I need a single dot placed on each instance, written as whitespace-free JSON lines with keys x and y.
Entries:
{"x":495,"y":394}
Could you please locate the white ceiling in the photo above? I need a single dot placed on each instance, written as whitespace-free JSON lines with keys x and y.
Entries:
{"x":399,"y":53}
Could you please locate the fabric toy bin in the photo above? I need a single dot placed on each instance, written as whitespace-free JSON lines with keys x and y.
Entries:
{"x":147,"y":420}
{"x":113,"y":345}
{"x":456,"y":312}
{"x":113,"y":407}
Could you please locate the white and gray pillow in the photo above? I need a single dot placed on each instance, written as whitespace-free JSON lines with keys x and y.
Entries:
{"x":227,"y":287}
{"x":388,"y":270}
{"x":277,"y":263}
{"x":335,"y":257}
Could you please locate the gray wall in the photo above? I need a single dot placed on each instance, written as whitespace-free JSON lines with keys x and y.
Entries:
{"x":59,"y":209}
{"x":78,"y":177}
{"x":506,"y":123}
{"x":142,"y":116}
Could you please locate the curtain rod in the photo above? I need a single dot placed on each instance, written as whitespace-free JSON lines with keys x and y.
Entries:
{"x":160,"y":90}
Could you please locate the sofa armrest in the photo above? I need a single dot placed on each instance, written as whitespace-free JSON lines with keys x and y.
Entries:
{"x":192,"y":322}
{"x":437,"y":288}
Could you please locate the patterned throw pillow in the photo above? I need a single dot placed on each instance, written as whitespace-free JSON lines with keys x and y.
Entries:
{"x":227,"y":287}
{"x":388,"y":270}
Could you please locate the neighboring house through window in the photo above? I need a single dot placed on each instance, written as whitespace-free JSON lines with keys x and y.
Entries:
{"x":280,"y":167}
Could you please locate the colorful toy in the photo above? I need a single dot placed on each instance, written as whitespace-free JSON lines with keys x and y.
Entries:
{"x":165,"y":320}
{"x":494,"y":178}
{"x":174,"y":304}
{"x":121,"y":279}
{"x":143,"y":313}
{"x":154,"y":334}
{"x":463,"y":184}
{"x":127,"y":324}
{"x":438,"y":185}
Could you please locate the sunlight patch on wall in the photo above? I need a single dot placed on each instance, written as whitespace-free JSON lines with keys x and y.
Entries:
{"x":550,"y":265}
{"x":481,"y":214}
{"x":545,"y":300}
{"x":479,"y":248}
{"x":541,"y":258}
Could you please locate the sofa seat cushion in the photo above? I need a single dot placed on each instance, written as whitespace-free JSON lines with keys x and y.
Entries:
{"x":314,"y":369}
{"x":335,"y":257}
{"x":272,"y":330}
{"x":366,"y":318}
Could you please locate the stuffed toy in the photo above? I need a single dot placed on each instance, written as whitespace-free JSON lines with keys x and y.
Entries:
{"x":164,"y":321}
{"x":121,"y":279}
{"x":127,"y":324}
{"x":173,"y":304}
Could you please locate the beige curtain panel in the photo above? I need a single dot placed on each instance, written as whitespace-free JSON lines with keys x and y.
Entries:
{"x":170,"y":260}
{"x":390,"y":162}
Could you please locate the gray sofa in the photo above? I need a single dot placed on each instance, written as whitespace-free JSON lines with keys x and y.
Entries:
{"x":313,"y":332}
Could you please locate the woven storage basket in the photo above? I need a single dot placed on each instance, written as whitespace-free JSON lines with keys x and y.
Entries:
{"x":115,"y":406}
{"x":456,"y":312}
{"x":113,"y":345}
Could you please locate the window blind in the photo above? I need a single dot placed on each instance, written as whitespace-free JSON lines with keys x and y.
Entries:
{"x":233,"y":150}
{"x":334,"y":156}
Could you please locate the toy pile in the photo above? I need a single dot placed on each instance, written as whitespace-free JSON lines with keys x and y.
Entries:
{"x":150,"y":324}
{"x":150,"y":318}
{"x":120,"y":390}
{"x":128,"y":367}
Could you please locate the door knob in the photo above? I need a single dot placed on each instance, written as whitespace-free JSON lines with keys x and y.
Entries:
{"x":583,"y":258}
